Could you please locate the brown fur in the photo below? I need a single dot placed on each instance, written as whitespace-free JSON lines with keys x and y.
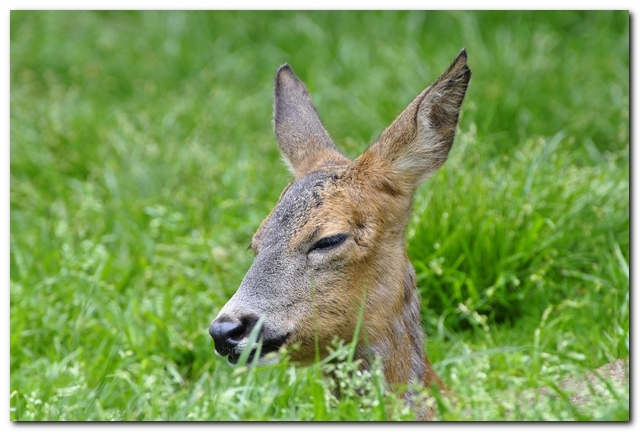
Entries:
{"x":308,"y":293}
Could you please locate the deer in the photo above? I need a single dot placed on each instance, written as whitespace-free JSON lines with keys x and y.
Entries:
{"x":333,"y":248}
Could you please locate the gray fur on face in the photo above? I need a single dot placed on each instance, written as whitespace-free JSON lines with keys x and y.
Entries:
{"x":292,"y":211}
{"x":278,"y":284}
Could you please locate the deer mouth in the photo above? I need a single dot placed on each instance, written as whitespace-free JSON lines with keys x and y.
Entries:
{"x":268,"y":346}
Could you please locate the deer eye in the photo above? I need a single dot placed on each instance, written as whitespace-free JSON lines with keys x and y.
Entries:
{"x":327,"y":243}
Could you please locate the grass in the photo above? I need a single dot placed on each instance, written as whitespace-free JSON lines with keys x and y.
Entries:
{"x":142,"y":160}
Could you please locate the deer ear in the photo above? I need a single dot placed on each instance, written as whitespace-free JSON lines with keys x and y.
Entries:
{"x":303,"y":140}
{"x":418,"y":141}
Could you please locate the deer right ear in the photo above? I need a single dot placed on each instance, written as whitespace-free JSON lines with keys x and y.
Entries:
{"x":418,"y":141}
{"x":302,"y":138}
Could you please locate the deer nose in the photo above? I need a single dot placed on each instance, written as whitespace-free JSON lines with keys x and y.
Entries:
{"x":226,"y":335}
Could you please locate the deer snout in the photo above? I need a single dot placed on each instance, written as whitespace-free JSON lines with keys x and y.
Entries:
{"x":228,"y":333}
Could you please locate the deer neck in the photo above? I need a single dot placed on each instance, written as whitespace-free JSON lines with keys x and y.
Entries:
{"x":400,"y":345}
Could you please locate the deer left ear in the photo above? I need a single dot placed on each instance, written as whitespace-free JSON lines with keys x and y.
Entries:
{"x":303,"y":140}
{"x":418,"y":141}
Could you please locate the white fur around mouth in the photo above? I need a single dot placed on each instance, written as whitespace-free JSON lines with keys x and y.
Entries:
{"x":265,"y":359}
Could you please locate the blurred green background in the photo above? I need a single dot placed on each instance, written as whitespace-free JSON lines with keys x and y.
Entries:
{"x":143,"y":159}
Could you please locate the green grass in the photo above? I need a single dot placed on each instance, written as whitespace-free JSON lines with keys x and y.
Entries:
{"x":142,"y":160}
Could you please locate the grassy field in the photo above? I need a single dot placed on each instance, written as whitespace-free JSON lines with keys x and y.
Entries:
{"x":142,"y":161}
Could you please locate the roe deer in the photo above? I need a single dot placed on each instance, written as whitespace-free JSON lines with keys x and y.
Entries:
{"x":336,"y":237}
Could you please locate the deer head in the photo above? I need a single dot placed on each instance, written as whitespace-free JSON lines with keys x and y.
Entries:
{"x":334,"y":243}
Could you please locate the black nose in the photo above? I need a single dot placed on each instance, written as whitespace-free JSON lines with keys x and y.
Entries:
{"x":226,"y":334}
